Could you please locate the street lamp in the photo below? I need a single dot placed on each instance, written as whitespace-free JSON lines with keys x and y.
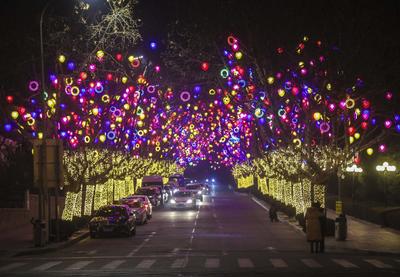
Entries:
{"x":354,"y":169}
{"x":385,"y":168}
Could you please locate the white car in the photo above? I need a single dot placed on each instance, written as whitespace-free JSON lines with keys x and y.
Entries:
{"x":196,"y":189}
{"x":183,"y":199}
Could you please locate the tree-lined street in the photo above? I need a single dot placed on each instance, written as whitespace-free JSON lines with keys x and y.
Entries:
{"x":229,"y":235}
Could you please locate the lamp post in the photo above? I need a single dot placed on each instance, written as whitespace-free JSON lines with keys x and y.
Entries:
{"x":354,"y":169}
{"x":385,"y":168}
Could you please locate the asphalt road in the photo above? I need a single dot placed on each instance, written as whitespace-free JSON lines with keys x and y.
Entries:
{"x":229,"y":235}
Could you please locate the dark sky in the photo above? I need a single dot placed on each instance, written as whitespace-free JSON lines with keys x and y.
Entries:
{"x":367,"y":32}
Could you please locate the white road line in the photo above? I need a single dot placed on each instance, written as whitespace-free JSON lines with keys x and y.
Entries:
{"x":344,"y":263}
{"x":378,"y":263}
{"x":11,"y":266}
{"x":194,"y":229}
{"x":178,"y":263}
{"x":245,"y":263}
{"x":113,"y":264}
{"x":78,"y":265}
{"x":211,"y":263}
{"x":134,"y":251}
{"x":92,"y":252}
{"x":279,"y":263}
{"x":311,"y":263}
{"x":46,"y":266}
{"x":147,"y":263}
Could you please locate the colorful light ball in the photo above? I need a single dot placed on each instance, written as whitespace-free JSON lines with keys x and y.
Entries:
{"x":382,"y":148}
{"x":153,"y":45}
{"x":388,"y":124}
{"x":317,"y":116}
{"x":71,"y":65}
{"x":238,"y":55}
{"x":33,"y":86}
{"x":270,"y":80}
{"x":10,"y":99}
{"x":14,"y":115}
{"x":118,"y":57}
{"x":204,"y":66}
{"x":7,"y":127}
{"x":61,"y":58}
{"x":370,"y":151}
{"x":389,"y":95}
{"x":131,"y":59}
{"x":100,"y":54}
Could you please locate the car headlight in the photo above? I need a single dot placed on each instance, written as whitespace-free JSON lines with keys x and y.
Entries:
{"x":189,"y":201}
{"x":199,"y":192}
{"x":172,"y":201}
{"x":175,"y":190}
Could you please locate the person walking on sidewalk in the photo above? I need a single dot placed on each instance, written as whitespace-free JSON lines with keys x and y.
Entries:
{"x":313,"y":227}
{"x":273,"y":216}
{"x":322,"y":221}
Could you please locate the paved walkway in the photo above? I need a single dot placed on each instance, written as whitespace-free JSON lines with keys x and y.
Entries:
{"x":361,"y":236}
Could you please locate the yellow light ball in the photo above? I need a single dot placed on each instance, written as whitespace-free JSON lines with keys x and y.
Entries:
{"x":14,"y":114}
{"x":238,"y":55}
{"x":270,"y":80}
{"x":61,"y":58}
{"x":281,"y":92}
{"x":131,"y":58}
{"x":142,"y":116}
{"x":317,"y":116}
{"x":124,"y":80}
{"x":351,"y":139}
{"x":140,"y":123}
{"x":127,"y":106}
{"x":248,"y":155}
{"x":370,"y":151}
{"x":100,"y":54}
{"x":95,"y":111}
{"x":357,"y":135}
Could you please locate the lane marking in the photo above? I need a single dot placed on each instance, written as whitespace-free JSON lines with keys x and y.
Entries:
{"x":146,"y":263}
{"x":92,"y":252}
{"x":212,"y":263}
{"x":245,"y":263}
{"x":46,"y":266}
{"x":178,"y":263}
{"x":344,"y":263}
{"x":194,"y":229}
{"x":378,"y":263}
{"x":278,"y":263}
{"x":311,"y":263}
{"x":11,"y":266}
{"x":113,"y":264}
{"x":134,"y":251}
{"x":78,"y":265}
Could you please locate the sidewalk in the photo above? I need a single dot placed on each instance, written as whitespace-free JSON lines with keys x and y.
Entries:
{"x":362,"y":236}
{"x":20,"y":242}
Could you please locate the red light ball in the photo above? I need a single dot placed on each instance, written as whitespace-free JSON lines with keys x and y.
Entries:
{"x":205,"y":66}
{"x":9,"y":99}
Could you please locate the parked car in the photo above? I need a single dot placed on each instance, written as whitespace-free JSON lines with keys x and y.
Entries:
{"x":196,"y":189}
{"x":146,"y":202}
{"x":155,"y":181}
{"x":152,"y":193}
{"x":183,"y":199}
{"x":113,"y":219}
{"x":138,"y":207}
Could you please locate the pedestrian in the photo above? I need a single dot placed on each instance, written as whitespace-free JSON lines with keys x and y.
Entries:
{"x":273,"y":215}
{"x":322,"y":221}
{"x":313,"y":227}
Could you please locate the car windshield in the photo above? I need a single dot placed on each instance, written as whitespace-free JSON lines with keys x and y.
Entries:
{"x":183,"y":194}
{"x":145,"y":191}
{"x":193,"y":187}
{"x":135,"y":204}
{"x":111,"y":211}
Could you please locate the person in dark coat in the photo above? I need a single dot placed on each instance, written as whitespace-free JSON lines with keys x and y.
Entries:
{"x":273,"y":216}
{"x":313,"y":227}
{"x":322,"y":221}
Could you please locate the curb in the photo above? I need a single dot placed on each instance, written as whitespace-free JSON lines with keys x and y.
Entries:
{"x":51,"y":248}
{"x":340,"y":249}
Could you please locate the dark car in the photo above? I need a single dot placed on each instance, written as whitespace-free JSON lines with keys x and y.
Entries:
{"x":113,"y":219}
{"x":152,"y":193}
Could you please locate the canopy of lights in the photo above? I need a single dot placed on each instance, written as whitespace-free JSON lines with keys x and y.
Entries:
{"x":119,"y":101}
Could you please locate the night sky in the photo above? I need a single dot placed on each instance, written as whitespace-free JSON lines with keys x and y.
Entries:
{"x":365,"y":32}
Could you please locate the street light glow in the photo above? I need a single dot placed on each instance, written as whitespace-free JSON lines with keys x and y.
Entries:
{"x":354,"y":168}
{"x":386,"y":167}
